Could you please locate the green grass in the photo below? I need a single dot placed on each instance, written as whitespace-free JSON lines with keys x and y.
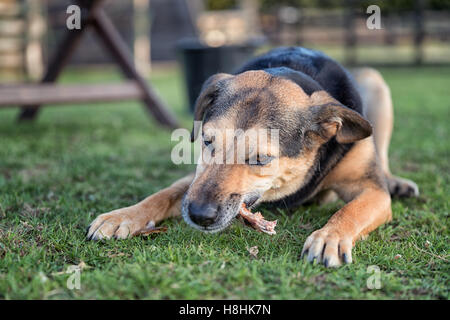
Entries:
{"x":59,"y":173}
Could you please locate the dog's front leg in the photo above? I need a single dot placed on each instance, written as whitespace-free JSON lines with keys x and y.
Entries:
{"x":333,"y":244}
{"x":126,"y":222}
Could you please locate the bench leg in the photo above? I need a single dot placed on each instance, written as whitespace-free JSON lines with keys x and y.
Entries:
{"x":95,"y":16}
{"x":119,"y":49}
{"x":54,"y":69}
{"x":63,"y":53}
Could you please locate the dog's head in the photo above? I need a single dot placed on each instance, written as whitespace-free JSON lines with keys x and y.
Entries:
{"x":298,"y":119}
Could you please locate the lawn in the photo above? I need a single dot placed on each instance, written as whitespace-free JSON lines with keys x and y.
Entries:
{"x":74,"y":162}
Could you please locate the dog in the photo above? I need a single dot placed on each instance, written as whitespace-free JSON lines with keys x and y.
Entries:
{"x":334,"y":132}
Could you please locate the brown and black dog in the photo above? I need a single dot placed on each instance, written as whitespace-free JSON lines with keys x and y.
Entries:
{"x":334,"y":135}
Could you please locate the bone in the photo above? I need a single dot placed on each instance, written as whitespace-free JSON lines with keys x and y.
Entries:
{"x":257,"y":221}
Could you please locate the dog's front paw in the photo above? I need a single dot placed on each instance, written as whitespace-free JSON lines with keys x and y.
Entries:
{"x":118,"y":224}
{"x":329,"y":247}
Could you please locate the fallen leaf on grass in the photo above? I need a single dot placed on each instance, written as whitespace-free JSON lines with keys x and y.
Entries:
{"x":150,"y":229}
{"x":306,"y":226}
{"x":253,"y":251}
{"x":113,"y":255}
{"x":82,"y":265}
{"x":318,"y":280}
{"x":26,"y":225}
{"x":30,"y":212}
{"x":147,"y":232}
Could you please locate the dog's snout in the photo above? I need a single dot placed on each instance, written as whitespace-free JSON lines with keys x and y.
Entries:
{"x":203,"y":214}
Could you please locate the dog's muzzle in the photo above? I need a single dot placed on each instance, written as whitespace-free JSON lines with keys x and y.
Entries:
{"x":212,"y":217}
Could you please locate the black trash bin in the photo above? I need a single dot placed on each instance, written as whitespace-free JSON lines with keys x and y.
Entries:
{"x":200,"y":61}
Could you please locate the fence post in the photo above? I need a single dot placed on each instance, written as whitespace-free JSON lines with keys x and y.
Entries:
{"x":142,"y":49}
{"x":350,"y":35}
{"x":419,"y":31}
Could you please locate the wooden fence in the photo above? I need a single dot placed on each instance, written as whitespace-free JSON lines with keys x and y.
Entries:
{"x":418,"y":36}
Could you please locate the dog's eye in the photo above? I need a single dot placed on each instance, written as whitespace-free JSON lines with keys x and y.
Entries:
{"x":207,"y":142}
{"x":261,"y":160}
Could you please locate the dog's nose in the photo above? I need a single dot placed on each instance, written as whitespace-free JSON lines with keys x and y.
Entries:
{"x":202,"y":214}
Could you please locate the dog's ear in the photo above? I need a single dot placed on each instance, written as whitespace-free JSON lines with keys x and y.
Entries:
{"x":205,"y":100}
{"x":337,"y":120}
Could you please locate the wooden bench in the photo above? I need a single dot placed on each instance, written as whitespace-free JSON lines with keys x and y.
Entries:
{"x":31,"y":96}
{"x":39,"y":94}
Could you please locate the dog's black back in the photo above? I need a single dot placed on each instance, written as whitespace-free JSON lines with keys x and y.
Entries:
{"x":312,"y":70}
